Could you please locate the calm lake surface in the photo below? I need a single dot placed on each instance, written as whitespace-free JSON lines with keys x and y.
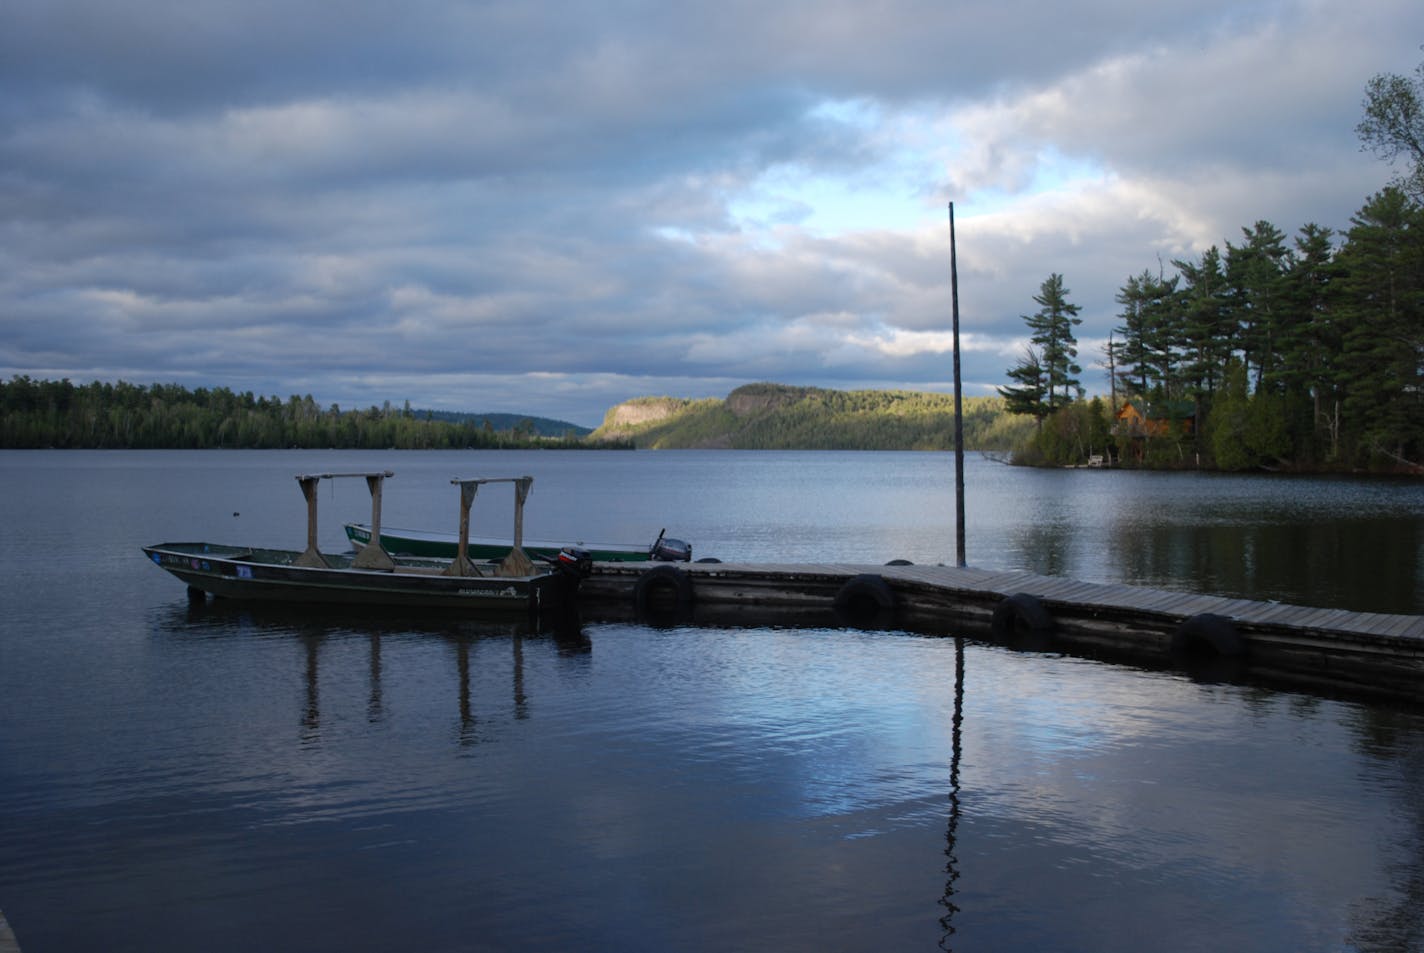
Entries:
{"x":177,"y":777}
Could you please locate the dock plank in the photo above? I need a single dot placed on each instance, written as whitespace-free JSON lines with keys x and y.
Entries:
{"x":981,"y":585}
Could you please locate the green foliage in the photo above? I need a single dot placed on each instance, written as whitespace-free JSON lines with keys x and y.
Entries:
{"x":1382,"y":318}
{"x":1247,"y":430}
{"x":1029,"y":394}
{"x":1052,"y":326}
{"x":1148,"y":347}
{"x":167,"y":416}
{"x":1045,"y":374}
{"x":1394,"y":125}
{"x":768,"y":416}
{"x":701,"y":423}
{"x":1296,"y":355}
{"x":1205,"y":323}
{"x":1227,"y":422}
{"x":535,"y":426}
{"x":1070,"y":436}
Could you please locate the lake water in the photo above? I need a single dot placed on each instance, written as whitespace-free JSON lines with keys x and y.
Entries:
{"x":178,"y":777}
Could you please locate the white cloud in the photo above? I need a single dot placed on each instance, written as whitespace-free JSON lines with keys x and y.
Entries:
{"x":500,"y":208}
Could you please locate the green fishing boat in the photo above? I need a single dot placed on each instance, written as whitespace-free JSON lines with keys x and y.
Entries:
{"x":434,"y":544}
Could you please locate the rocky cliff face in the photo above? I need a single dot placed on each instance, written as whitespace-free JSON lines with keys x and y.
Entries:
{"x":633,"y":413}
{"x":751,"y":399}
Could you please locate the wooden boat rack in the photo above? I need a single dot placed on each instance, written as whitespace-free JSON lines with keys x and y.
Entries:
{"x":373,"y":556}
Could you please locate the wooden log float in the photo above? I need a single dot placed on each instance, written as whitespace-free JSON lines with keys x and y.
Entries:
{"x":1357,"y":651}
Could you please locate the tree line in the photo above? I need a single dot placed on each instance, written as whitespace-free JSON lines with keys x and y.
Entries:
{"x":1304,"y":353}
{"x":63,"y":415}
{"x":1297,"y":354}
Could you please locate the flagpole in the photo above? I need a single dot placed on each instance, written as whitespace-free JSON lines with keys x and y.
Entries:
{"x":958,"y":401}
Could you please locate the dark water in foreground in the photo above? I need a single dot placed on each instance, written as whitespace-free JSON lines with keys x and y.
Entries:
{"x":208,"y":778}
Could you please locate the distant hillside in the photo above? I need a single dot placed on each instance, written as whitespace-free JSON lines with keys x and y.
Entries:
{"x":101,"y":415}
{"x":59,"y":414}
{"x":779,"y":417}
{"x":505,"y":423}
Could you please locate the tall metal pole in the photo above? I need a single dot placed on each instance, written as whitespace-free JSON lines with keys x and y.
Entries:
{"x":958,"y":402}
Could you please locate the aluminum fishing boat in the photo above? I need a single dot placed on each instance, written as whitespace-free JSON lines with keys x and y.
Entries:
{"x":374,"y":577}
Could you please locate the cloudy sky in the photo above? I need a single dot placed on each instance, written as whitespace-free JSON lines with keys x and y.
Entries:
{"x":547,"y":207}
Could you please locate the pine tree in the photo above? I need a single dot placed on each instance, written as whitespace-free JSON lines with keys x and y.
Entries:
{"x":1255,"y":271}
{"x":1206,"y":322}
{"x":1052,"y":326}
{"x":1382,"y":367}
{"x":1311,"y":345}
{"x":1148,"y":356}
{"x":1030,"y":396}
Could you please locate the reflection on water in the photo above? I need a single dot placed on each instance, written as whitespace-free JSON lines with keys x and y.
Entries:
{"x":951,"y":867}
{"x":1331,"y":542}
{"x":1391,"y":754}
{"x":313,"y":629}
{"x":178,"y":777}
{"x":705,"y":788}
{"x":1331,"y":562}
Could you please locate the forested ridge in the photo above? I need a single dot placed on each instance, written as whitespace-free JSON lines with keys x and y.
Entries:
{"x":63,"y":415}
{"x":770,"y":416}
{"x":100,"y":415}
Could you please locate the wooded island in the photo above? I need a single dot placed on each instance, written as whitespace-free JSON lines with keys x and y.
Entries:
{"x":1301,"y":356}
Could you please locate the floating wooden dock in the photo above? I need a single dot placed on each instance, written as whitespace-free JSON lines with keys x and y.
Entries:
{"x":1360,"y":651}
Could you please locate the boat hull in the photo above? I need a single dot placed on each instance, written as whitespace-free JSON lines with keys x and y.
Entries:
{"x":256,"y":575}
{"x":433,"y":545}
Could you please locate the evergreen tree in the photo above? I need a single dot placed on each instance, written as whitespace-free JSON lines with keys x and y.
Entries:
{"x":1206,"y":328}
{"x":1382,"y":367}
{"x":1148,"y":355}
{"x":1311,"y":346}
{"x":1130,"y":355}
{"x":1030,"y":395}
{"x":1228,"y":422}
{"x":1052,"y":326}
{"x":1254,"y":271}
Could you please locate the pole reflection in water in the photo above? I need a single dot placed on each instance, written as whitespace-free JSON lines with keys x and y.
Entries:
{"x":311,"y":713}
{"x":467,"y":720}
{"x":521,"y":708}
{"x":951,"y":866}
{"x":374,"y":707}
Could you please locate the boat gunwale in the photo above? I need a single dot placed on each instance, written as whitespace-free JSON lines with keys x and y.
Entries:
{"x":405,"y":566}
{"x":392,"y":535}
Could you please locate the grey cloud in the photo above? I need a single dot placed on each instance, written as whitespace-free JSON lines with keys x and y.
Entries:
{"x":533,"y":207}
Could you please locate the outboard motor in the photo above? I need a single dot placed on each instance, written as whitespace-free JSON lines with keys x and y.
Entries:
{"x":668,"y":550}
{"x":574,"y":561}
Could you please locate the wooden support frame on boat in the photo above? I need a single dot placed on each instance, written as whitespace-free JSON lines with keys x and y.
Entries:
{"x":370,"y":557}
{"x":517,"y":563}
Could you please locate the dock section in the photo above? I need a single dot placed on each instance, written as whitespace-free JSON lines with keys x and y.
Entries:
{"x":1364,"y":651}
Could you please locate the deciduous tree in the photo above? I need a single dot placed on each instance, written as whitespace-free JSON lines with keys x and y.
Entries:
{"x":1393,"y":126}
